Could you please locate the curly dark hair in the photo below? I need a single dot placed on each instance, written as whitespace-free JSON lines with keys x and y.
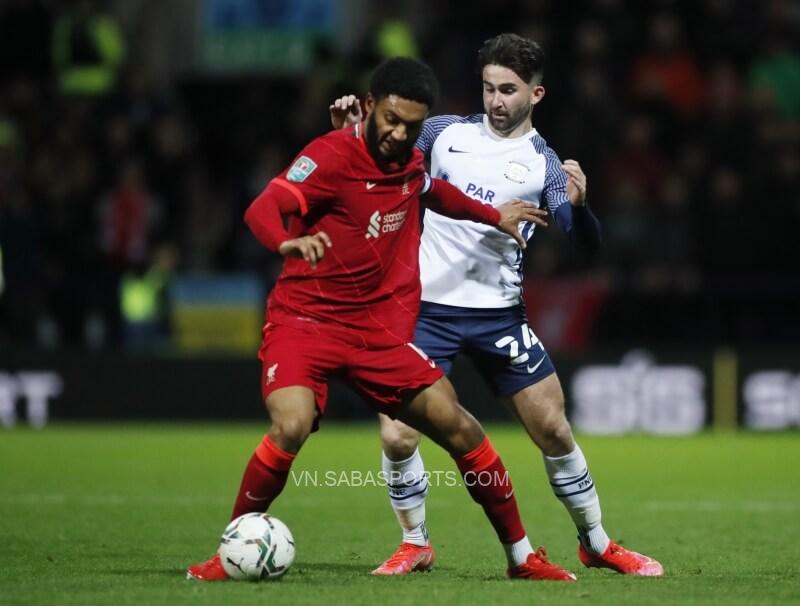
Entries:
{"x":521,"y":55}
{"x":406,"y":78}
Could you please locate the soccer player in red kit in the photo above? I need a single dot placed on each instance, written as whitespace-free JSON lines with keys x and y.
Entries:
{"x":347,"y":301}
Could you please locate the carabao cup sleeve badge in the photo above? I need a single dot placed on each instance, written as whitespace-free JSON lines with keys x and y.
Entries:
{"x":301,"y":169}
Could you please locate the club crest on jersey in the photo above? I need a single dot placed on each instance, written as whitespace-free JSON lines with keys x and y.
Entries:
{"x":301,"y":169}
{"x":516,"y":171}
{"x":271,"y":373}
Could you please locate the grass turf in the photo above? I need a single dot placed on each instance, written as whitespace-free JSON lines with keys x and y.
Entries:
{"x":114,"y":513}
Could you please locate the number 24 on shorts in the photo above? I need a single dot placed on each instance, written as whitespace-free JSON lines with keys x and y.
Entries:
{"x":529,"y":339}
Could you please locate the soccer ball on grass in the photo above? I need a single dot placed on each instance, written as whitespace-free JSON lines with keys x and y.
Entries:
{"x":256,"y":546}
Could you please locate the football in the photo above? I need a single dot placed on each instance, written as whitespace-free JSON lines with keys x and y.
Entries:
{"x":256,"y":546}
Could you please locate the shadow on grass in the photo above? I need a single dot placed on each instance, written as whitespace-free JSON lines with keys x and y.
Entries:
{"x":314,"y":569}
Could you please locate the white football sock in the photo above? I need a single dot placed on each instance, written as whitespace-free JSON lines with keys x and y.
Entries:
{"x":572,"y":484}
{"x":408,"y":486}
{"x":517,"y":553}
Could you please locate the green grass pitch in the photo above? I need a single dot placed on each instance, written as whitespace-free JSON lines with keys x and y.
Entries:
{"x":112,"y":514}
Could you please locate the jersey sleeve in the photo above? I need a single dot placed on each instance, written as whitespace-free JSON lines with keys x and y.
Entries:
{"x":433,"y":127}
{"x":314,"y":175}
{"x":555,"y":179}
{"x":580,"y":223}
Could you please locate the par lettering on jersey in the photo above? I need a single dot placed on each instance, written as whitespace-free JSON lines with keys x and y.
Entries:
{"x":477,"y":191}
{"x":301,"y":169}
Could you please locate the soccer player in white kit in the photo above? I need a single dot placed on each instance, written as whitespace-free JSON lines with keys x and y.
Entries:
{"x":472,"y":299}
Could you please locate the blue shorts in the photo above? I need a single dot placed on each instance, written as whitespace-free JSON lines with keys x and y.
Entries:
{"x":498,"y":341}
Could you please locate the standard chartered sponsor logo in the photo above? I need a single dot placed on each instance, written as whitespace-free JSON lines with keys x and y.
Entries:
{"x":385,"y":223}
{"x":373,"y":229}
{"x":394,"y":221}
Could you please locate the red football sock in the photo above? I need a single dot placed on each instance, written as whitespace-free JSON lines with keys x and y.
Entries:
{"x":488,"y":483}
{"x":264,"y":478}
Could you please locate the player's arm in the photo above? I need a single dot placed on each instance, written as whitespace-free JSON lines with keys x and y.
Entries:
{"x":448,"y":200}
{"x":311,"y":180}
{"x":265,"y":218}
{"x":576,"y":218}
{"x":586,"y":229}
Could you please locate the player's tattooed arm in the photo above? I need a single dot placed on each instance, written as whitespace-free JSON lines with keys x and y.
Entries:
{"x":345,"y":111}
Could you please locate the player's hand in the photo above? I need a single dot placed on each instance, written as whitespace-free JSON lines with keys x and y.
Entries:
{"x":311,"y":248}
{"x":516,"y":211}
{"x":576,"y":182}
{"x":345,"y":111}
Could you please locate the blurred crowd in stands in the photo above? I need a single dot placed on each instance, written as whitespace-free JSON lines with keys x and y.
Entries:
{"x":685,"y":115}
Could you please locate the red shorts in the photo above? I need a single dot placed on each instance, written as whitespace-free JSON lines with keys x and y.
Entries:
{"x":291,"y":357}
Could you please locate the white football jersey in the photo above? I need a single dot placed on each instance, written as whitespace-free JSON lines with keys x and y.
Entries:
{"x":469,"y":264}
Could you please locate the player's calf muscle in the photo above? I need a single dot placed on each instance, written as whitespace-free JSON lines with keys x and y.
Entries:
{"x":470,"y":434}
{"x":445,"y":422}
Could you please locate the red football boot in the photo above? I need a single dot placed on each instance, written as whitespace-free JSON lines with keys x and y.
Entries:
{"x":210,"y":570}
{"x":539,"y":568}
{"x":407,"y":559}
{"x":623,"y":561}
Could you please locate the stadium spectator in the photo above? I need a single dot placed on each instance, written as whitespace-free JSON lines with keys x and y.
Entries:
{"x":668,"y":72}
{"x":638,"y":157}
{"x":88,"y":50}
{"x":775,"y":74}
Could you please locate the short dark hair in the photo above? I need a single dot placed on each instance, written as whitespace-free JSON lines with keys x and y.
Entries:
{"x":521,"y":55}
{"x":406,"y":78}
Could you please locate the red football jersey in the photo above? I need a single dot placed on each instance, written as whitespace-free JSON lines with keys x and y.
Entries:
{"x":368,"y":281}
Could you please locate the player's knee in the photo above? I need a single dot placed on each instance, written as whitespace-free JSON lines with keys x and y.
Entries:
{"x":561,"y":432}
{"x":290,"y":433}
{"x":557,"y":439}
{"x":399,"y":441}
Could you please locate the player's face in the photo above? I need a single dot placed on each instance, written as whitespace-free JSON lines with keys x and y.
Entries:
{"x":393,"y":126}
{"x":508,"y":100}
